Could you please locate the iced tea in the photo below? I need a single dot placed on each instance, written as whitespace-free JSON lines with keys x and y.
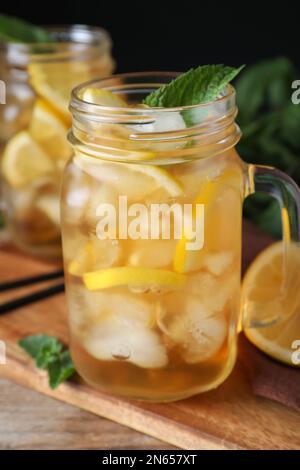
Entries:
{"x":152,"y":247}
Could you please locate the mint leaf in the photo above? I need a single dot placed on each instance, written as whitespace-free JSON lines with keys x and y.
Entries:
{"x":60,"y":370}
{"x":33,"y":345}
{"x":16,"y":30}
{"x":200,"y":85}
{"x":49,"y":354}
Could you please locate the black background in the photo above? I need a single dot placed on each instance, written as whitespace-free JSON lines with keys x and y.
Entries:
{"x":176,"y":35}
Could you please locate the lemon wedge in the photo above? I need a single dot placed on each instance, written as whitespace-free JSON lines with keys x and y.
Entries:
{"x":184,"y":260}
{"x":49,"y":205}
{"x":49,"y":131}
{"x":54,"y":82}
{"x":24,"y":160}
{"x":134,"y":276}
{"x":162,"y":177}
{"x":124,"y":176}
{"x":271,"y":299}
{"x":103,"y":97}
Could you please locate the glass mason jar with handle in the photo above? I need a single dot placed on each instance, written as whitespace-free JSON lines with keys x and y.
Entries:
{"x":151,"y":224}
{"x":33,"y":125}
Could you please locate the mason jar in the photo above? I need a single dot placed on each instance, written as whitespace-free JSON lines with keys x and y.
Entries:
{"x":151,"y":224}
{"x":33,"y":126}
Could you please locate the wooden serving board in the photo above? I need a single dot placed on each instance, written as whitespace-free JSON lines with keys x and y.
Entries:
{"x":230,"y":417}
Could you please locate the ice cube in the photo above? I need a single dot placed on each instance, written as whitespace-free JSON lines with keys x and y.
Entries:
{"x":22,"y":199}
{"x":92,"y":254}
{"x":163,"y":122}
{"x":77,"y":191}
{"x":152,"y":253}
{"x":77,"y":312}
{"x":121,"y":330}
{"x":217,"y":263}
{"x":197,"y":330}
{"x":77,"y":197}
{"x":134,"y":310}
{"x":195,"y":175}
{"x":101,"y":194}
{"x":214,"y":293}
{"x":114,"y":339}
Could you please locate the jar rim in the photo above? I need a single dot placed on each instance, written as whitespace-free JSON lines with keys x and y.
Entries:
{"x":210,"y":123}
{"x":78,"y":103}
{"x":64,"y":36}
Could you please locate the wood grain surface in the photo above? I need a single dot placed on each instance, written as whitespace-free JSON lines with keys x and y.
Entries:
{"x":230,"y":417}
{"x":30,"y":420}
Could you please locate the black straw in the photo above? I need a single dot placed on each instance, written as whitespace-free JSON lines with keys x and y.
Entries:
{"x":27,"y":281}
{"x":31,"y":298}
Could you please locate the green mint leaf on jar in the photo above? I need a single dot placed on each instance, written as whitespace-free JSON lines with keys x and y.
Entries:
{"x":196,"y":86}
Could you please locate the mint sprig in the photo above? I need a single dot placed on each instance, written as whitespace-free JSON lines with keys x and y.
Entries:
{"x":49,"y":354}
{"x":200,"y":85}
{"x":16,"y":30}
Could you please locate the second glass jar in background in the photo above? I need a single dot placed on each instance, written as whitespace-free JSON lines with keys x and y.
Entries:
{"x":34,"y":124}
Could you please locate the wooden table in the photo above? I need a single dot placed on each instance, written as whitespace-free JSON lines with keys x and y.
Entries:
{"x":29,"y":420}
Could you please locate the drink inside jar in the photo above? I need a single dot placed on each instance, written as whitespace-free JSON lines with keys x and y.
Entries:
{"x":34,"y":156}
{"x":149,"y":318}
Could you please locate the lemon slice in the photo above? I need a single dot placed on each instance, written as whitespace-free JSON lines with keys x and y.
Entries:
{"x":271,"y":298}
{"x":103,"y":97}
{"x":134,"y":276}
{"x":49,"y":131}
{"x":24,"y":160}
{"x":54,"y":82}
{"x":162,"y":177}
{"x":186,"y":261}
{"x":124,"y":176}
{"x":49,"y":205}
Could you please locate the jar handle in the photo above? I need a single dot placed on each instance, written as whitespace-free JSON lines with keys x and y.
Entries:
{"x":268,"y":180}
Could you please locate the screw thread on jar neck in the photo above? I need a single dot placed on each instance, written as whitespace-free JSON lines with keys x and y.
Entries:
{"x":116,"y":131}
